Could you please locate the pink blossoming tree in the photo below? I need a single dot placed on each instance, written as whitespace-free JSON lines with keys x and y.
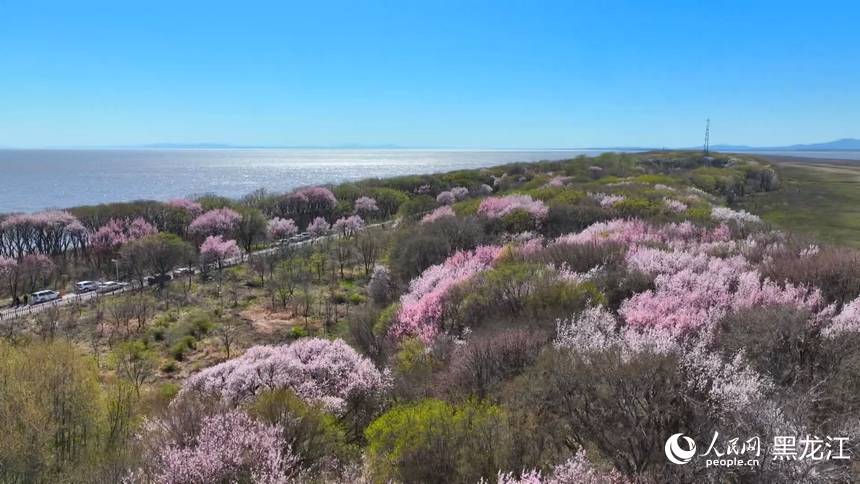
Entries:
{"x":606,"y":200}
{"x":575,"y":470}
{"x":495,"y":207}
{"x":346,"y":227}
{"x":446,"y":198}
{"x":319,"y":227}
{"x":230,"y":447}
{"x":673,"y":205}
{"x":460,"y":193}
{"x":219,"y":221}
{"x":215,"y":250}
{"x":51,"y":232}
{"x":365,"y":205}
{"x":189,"y":206}
{"x":437,"y":214}
{"x":109,"y":238}
{"x":305,"y":204}
{"x":281,"y":228}
{"x":421,"y":309}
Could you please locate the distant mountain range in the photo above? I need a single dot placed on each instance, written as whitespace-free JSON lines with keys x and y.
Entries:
{"x":846,"y":144}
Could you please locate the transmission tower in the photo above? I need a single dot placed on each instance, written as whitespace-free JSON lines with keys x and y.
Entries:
{"x":707,"y":137}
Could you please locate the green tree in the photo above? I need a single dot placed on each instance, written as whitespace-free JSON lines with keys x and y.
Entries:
{"x":251,"y":228}
{"x":436,"y":442}
{"x":156,"y":255}
{"x":136,"y":363}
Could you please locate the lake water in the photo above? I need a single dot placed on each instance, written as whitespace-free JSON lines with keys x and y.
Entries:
{"x":32,"y":180}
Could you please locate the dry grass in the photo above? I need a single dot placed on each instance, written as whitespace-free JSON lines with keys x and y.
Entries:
{"x":818,"y":197}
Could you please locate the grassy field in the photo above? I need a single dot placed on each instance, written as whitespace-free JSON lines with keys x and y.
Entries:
{"x":818,"y":197}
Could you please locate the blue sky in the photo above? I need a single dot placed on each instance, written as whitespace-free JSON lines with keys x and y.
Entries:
{"x":501,"y":74}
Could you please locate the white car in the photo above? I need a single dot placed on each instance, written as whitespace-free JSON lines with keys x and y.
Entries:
{"x":44,"y":296}
{"x":109,"y":286}
{"x":86,"y":286}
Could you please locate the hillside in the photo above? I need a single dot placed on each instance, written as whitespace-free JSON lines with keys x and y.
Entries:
{"x":533,"y":322}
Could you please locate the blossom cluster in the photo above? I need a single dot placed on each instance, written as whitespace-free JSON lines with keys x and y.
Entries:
{"x":483,"y":189}
{"x":50,"y":232}
{"x":446,"y":198}
{"x":622,"y":183}
{"x":438,"y":213}
{"x":726,"y":214}
{"x":348,"y":226}
{"x":420,"y":313}
{"x":674,"y":205}
{"x":109,"y":237}
{"x":316,"y":370}
{"x":699,"y":293}
{"x":365,"y":205}
{"x":729,"y":386}
{"x":230,"y":447}
{"x":215,"y":249}
{"x":281,"y":228}
{"x":847,"y":321}
{"x":636,"y":231}
{"x":575,"y":470}
{"x":315,"y":194}
{"x":495,"y":207}
{"x":318,"y":227}
{"x":189,"y":206}
{"x":605,"y":199}
{"x":559,"y":181}
{"x":215,"y":222}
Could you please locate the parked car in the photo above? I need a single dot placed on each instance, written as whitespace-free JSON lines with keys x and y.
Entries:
{"x":108,"y":286}
{"x":301,"y":237}
{"x":183,"y":271}
{"x":155,"y":280}
{"x":86,"y":286}
{"x":44,"y":296}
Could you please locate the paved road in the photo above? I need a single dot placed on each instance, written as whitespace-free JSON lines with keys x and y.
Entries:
{"x":12,"y":313}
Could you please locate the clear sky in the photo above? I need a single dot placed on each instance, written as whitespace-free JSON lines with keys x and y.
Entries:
{"x":500,"y":74}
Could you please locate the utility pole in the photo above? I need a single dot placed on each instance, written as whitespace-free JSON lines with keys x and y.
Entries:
{"x":707,"y":138}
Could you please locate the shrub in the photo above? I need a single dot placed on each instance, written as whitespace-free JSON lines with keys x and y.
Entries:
{"x":496,"y":207}
{"x":834,"y":270}
{"x":417,"y":206}
{"x":530,"y":294}
{"x":777,"y":340}
{"x":415,"y":250}
{"x":313,"y":435}
{"x":485,"y":362}
{"x":581,"y":257}
{"x":381,"y":287}
{"x":564,"y":219}
{"x":464,"y":442}
{"x":595,"y":401}
{"x":637,"y":208}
